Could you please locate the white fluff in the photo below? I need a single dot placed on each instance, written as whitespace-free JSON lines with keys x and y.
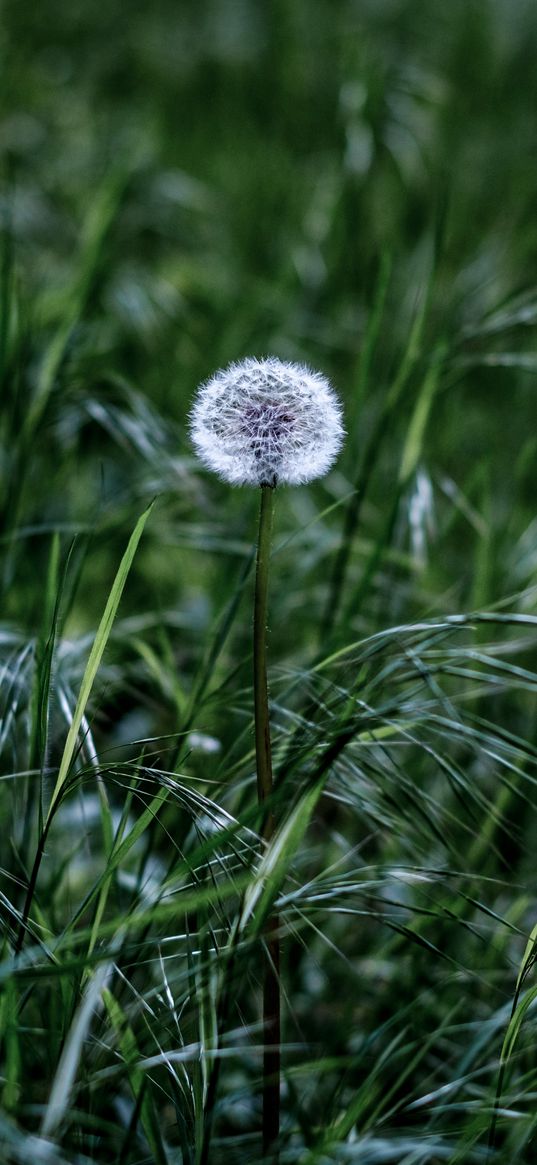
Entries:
{"x":261,"y":422}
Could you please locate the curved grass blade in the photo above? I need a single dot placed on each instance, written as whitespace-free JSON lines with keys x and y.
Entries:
{"x":64,"y":1079}
{"x":96,"y":654}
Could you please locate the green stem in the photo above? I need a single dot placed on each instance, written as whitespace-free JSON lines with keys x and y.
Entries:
{"x":271,"y":969}
{"x":30,"y":891}
{"x":262,"y":727}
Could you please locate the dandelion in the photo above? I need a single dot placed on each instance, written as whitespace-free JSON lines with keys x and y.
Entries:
{"x":263,"y":422}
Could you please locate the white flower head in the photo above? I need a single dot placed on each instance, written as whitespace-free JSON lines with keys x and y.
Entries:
{"x":261,"y":422}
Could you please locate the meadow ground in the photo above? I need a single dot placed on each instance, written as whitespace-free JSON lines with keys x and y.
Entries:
{"x":349,"y":183}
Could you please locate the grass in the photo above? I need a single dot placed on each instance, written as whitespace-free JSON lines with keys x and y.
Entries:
{"x":350,"y":185}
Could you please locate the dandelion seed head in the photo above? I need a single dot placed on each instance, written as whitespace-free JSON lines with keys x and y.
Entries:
{"x":261,"y":422}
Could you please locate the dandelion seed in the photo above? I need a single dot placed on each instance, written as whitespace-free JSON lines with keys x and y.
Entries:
{"x":262,"y":422}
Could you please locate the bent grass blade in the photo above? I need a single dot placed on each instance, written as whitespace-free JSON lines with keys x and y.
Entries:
{"x":96,"y":654}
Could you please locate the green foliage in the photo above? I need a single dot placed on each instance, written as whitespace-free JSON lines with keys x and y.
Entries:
{"x":349,"y":184}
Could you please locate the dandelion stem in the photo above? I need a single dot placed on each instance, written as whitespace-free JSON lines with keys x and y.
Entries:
{"x":271,"y":969}
{"x":262,"y":727}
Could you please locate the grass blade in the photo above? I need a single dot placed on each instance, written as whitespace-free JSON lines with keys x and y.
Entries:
{"x":96,"y":654}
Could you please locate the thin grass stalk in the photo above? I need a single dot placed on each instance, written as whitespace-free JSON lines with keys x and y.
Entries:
{"x":271,"y":968}
{"x":223,"y":1011}
{"x":31,"y":887}
{"x":372,"y":451}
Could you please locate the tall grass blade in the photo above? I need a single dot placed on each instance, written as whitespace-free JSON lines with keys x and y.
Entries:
{"x":96,"y":654}
{"x":64,"y":1079}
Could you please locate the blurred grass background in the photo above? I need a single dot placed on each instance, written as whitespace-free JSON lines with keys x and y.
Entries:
{"x":349,"y":183}
{"x":196,"y":182}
